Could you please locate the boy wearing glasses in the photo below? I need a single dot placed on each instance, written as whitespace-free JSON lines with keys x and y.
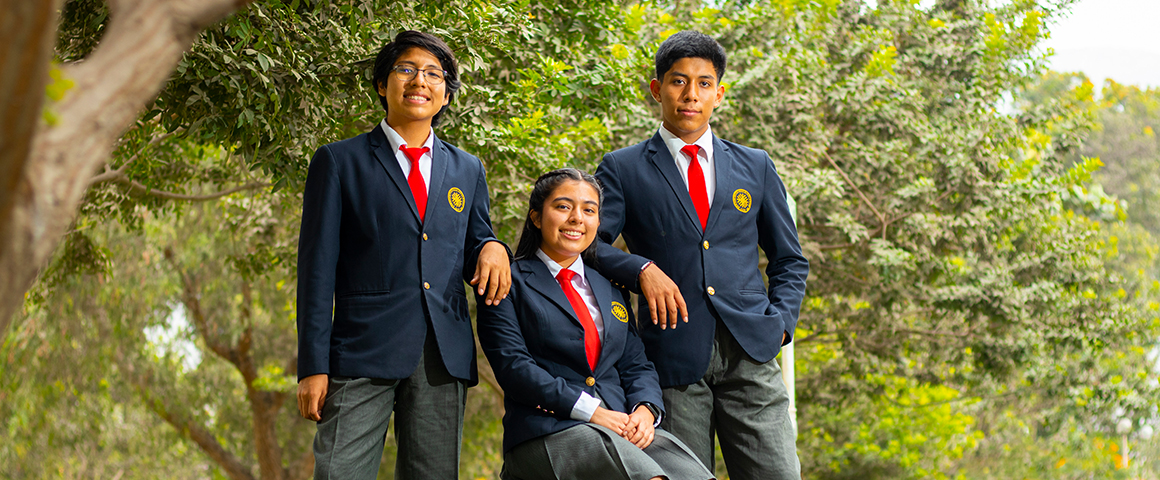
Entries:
{"x":393,"y":222}
{"x":700,"y":208}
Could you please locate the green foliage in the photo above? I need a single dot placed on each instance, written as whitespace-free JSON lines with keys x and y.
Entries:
{"x":983,"y":291}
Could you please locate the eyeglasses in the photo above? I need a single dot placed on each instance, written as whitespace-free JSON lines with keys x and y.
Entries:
{"x":407,"y":73}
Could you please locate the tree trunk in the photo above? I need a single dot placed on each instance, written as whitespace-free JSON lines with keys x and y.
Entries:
{"x":265,"y":407}
{"x":41,"y":189}
{"x":25,"y":54}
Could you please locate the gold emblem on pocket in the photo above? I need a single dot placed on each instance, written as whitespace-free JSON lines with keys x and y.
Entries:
{"x":620,"y":312}
{"x":456,"y":199}
{"x":742,"y":200}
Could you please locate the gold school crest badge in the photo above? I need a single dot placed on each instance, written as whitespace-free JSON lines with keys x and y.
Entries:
{"x":456,"y":199}
{"x":620,"y":312}
{"x":742,"y":200}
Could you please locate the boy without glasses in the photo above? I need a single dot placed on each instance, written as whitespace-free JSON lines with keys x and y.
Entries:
{"x":697,"y":208}
{"x":393,"y":221}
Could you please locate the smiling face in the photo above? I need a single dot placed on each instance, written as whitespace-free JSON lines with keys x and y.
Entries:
{"x":413,"y":100}
{"x":688,"y":94}
{"x":568,"y":220}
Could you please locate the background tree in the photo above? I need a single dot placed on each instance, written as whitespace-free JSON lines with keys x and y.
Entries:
{"x":51,"y":147}
{"x":971,"y":283}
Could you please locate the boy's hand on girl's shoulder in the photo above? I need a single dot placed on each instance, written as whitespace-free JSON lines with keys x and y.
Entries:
{"x":493,"y":273}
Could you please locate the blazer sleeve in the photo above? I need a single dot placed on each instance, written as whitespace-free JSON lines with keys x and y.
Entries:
{"x":523,"y":381}
{"x":318,"y":245}
{"x":479,"y":230}
{"x":615,"y":264}
{"x":638,"y":376}
{"x":778,"y":238}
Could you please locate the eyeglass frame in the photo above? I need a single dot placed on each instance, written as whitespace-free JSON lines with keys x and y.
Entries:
{"x":426,"y":76}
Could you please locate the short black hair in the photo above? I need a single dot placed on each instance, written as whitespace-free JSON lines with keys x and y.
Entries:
{"x":686,"y":44}
{"x":407,"y":40}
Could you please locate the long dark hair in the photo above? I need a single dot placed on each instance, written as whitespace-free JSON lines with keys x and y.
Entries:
{"x":531,"y":238}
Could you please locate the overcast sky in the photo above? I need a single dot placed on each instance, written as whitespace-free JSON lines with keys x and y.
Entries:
{"x":1119,"y":39}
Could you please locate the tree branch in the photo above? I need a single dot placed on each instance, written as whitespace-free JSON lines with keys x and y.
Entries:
{"x":836,"y":247}
{"x":140,"y":189}
{"x":190,"y":297}
{"x":200,"y":435}
{"x":264,"y":406}
{"x":877,"y":214}
{"x":138,"y":51}
{"x":119,"y":173}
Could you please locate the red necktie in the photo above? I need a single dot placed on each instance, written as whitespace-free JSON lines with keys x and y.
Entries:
{"x":591,"y":336}
{"x":697,"y":184}
{"x":415,"y":178}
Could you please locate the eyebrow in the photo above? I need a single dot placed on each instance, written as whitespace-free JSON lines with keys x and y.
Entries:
{"x":569,"y":199}
{"x":682,"y":74}
{"x":413,"y":64}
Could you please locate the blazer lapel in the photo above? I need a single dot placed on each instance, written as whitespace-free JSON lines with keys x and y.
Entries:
{"x":538,"y":277}
{"x":439,"y":158}
{"x":663,"y":160}
{"x":723,"y":171}
{"x":382,"y":149}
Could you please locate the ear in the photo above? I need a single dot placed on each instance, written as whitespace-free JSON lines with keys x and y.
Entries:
{"x":446,"y":98}
{"x":720,"y":95}
{"x":535,"y":216}
{"x":655,"y":87}
{"x":382,"y":90}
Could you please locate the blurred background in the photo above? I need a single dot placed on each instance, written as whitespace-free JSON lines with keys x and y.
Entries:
{"x":977,"y":186}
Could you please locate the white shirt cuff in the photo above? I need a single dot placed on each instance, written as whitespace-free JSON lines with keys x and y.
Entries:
{"x":585,"y":407}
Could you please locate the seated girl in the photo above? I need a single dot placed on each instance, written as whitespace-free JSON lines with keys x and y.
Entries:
{"x":582,"y":400}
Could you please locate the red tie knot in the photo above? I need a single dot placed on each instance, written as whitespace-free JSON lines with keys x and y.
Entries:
{"x":565,"y":276}
{"x":413,"y":154}
{"x":691,"y":151}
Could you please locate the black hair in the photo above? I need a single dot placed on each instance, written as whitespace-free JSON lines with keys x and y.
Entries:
{"x":531,"y":238}
{"x":686,"y":44}
{"x":407,"y":40}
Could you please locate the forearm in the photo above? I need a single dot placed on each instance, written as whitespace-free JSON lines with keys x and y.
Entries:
{"x":621,"y":267}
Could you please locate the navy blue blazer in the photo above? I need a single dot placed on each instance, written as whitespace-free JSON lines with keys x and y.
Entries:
{"x":646,"y":200}
{"x":364,"y":255}
{"x":535,"y":345}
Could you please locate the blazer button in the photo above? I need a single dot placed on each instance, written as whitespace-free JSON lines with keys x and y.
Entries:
{"x":425,"y":238}
{"x":590,"y":381}
{"x":427,"y":286}
{"x":705,"y":244}
{"x":710,"y":290}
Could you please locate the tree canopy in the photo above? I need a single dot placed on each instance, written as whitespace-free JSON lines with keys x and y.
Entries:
{"x":981,"y":291}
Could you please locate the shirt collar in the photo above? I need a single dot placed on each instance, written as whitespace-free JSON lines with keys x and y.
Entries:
{"x":397,"y":140}
{"x":554,"y":268}
{"x":675,"y":144}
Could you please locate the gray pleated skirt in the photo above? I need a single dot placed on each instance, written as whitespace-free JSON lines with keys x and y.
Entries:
{"x":590,"y":451}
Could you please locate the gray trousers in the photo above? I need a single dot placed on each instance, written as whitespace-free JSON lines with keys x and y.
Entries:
{"x":590,"y":451}
{"x":746,"y":405}
{"x":428,"y":425}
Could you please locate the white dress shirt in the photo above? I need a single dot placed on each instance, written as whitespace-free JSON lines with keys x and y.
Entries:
{"x":704,"y":156}
{"x":397,"y":141}
{"x":585,"y":405}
